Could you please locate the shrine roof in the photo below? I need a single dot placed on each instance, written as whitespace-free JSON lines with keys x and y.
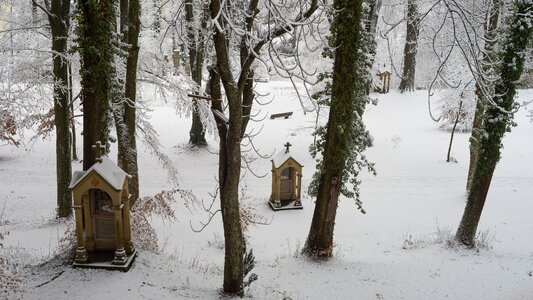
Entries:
{"x":280,"y":158}
{"x":109,"y":171}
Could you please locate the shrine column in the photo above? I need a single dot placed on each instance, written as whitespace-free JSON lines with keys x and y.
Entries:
{"x":273,"y":195}
{"x":299,"y":198}
{"x":277,"y":202}
{"x":81,"y":252}
{"x":128,"y":245}
{"x":120,"y":255}
{"x":293,"y":183}
{"x":89,"y":239}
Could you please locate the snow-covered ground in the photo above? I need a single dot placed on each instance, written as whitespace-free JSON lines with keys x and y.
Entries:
{"x":389,"y":253}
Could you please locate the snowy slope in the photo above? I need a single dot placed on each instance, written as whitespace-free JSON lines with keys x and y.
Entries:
{"x":415,"y":193}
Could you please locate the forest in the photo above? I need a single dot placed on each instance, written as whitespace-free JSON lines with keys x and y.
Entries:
{"x":267,"y":149}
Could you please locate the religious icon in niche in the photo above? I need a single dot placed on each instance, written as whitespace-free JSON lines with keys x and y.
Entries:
{"x":286,"y":180}
{"x":103,"y":206}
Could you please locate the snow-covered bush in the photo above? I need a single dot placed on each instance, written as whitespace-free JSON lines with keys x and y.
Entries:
{"x":8,"y":128}
{"x":10,"y":280}
{"x":144,"y":236}
{"x":458,"y":105}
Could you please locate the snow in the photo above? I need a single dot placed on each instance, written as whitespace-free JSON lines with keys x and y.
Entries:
{"x":280,"y":158}
{"x":389,"y":253}
{"x":106,"y":168}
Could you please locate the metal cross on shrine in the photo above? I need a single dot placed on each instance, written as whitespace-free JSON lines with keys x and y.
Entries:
{"x":99,"y":150}
{"x":288,"y":145}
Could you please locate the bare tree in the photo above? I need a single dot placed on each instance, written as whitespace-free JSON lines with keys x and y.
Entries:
{"x":58,"y":13}
{"x":237,"y":26}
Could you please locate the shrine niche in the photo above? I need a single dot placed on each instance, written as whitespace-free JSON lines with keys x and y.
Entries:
{"x":102,"y":213}
{"x":286,"y":181}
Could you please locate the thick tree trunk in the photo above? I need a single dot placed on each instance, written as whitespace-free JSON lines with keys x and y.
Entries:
{"x":343,"y":95}
{"x":407,"y":82}
{"x":129,"y":160}
{"x":491,"y":24}
{"x":230,"y":166}
{"x":96,"y":31}
{"x":475,"y":138}
{"x":231,"y":218}
{"x":229,"y":175}
{"x":466,"y":233}
{"x":196,"y":61}
{"x":59,"y":24}
{"x":125,"y":111}
{"x":495,"y":121}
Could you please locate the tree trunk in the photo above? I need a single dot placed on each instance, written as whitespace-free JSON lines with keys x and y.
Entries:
{"x":407,"y":82}
{"x":347,"y":71}
{"x":495,"y":121}
{"x":196,"y":60}
{"x":129,"y":160}
{"x":229,"y":166}
{"x":97,"y":27}
{"x":59,"y":24}
{"x":125,"y":111}
{"x":453,"y":131}
{"x":491,"y":24}
{"x":231,"y":132}
{"x":73,"y":123}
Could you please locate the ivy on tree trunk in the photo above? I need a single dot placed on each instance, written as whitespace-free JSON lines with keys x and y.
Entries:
{"x":497,"y":118}
{"x":490,"y":27}
{"x":96,"y":30}
{"x":345,"y":136}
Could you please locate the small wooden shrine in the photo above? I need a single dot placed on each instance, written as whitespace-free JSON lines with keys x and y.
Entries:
{"x":384,"y":77}
{"x":286,"y":181}
{"x":102,"y":213}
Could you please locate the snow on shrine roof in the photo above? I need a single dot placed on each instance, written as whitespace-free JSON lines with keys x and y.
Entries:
{"x":109,"y":171}
{"x":280,"y":158}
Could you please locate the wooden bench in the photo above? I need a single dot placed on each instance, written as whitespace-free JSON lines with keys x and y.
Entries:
{"x":284,"y":115}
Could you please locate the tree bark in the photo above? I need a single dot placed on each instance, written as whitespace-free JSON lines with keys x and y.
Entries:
{"x":229,"y":167}
{"x":124,"y":109}
{"x":347,"y":70}
{"x":73,"y":124}
{"x":59,"y":24}
{"x":196,"y":61}
{"x":495,"y":121}
{"x":491,"y":24}
{"x":407,"y":82}
{"x":232,"y":132}
{"x":97,"y":71}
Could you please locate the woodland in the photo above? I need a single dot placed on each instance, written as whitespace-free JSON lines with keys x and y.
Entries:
{"x":411,"y":120}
